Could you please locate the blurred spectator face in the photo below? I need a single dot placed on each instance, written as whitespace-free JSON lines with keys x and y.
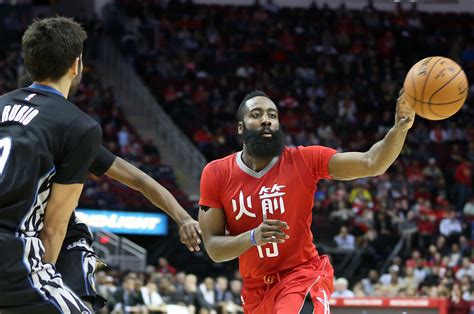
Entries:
{"x":100,"y":277}
{"x":109,"y":280}
{"x":180,"y":278}
{"x":440,"y":242}
{"x":222,"y":283}
{"x":162,"y":262}
{"x":236,"y":286}
{"x":343,"y":231}
{"x":415,"y":254}
{"x":190,"y":283}
{"x":409,"y":271}
{"x":432,"y":249}
{"x":129,"y":284}
{"x":152,"y":287}
{"x":466,"y":263}
{"x":209,"y":283}
{"x":373,"y":276}
{"x":341,"y":284}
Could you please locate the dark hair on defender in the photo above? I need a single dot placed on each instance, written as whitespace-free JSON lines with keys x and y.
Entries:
{"x":50,"y":47}
{"x":240,"y":111}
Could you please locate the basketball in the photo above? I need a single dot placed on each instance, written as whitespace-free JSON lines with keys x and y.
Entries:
{"x":436,"y":87}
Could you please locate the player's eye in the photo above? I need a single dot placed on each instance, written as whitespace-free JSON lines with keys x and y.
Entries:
{"x":273,"y":116}
{"x":256,"y":115}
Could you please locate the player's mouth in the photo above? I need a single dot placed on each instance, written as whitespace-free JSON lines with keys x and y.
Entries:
{"x":266,"y":133}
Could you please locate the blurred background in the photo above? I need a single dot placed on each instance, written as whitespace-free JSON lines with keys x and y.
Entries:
{"x":164,"y":79}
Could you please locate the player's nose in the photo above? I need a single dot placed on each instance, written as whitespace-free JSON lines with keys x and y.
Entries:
{"x":266,"y":121}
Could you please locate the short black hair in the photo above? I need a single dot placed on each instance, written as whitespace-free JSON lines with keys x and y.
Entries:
{"x":240,"y":111}
{"x":50,"y":47}
{"x":24,"y":80}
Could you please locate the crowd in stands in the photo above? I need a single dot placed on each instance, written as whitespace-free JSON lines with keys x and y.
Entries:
{"x":335,"y":75}
{"x":163,"y":289}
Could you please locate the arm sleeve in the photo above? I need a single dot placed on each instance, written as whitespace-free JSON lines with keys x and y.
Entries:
{"x":79,"y":151}
{"x":317,"y":159}
{"x":102,"y":162}
{"x":210,"y":188}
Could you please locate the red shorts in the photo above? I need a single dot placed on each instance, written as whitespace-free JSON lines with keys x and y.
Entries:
{"x":285,"y":292}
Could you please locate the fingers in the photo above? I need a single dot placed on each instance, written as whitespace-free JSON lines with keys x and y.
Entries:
{"x":272,"y":231}
{"x":277,"y":223}
{"x":189,"y":235}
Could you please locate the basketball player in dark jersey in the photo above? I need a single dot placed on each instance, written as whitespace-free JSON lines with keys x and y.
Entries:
{"x":46,"y":147}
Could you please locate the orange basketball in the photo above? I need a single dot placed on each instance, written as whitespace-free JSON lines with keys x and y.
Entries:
{"x":437,"y":87}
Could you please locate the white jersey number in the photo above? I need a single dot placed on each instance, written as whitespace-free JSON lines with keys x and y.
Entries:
{"x":269,"y":252}
{"x":5,"y":147}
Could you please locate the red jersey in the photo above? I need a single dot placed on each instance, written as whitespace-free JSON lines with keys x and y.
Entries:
{"x":283,"y":190}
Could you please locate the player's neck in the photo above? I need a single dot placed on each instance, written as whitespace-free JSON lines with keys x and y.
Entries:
{"x":256,"y":164}
{"x":62,"y":85}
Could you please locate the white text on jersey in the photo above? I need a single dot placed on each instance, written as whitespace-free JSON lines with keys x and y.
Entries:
{"x":18,"y":113}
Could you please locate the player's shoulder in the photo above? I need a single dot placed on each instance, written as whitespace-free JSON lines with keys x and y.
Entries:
{"x":306,"y":149}
{"x":221,"y":164}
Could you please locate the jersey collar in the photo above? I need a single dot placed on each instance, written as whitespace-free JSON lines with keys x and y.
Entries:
{"x":251,"y":172}
{"x":46,"y":88}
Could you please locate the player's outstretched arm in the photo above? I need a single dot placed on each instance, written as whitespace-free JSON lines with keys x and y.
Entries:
{"x":126,"y":173}
{"x":222,"y":248}
{"x":354,"y":165}
{"x":62,"y":201}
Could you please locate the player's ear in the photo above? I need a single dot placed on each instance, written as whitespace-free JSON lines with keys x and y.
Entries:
{"x":240,"y":128}
{"x":74,"y":69}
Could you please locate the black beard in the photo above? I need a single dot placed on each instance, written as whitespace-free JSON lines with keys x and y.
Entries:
{"x":263,"y":147}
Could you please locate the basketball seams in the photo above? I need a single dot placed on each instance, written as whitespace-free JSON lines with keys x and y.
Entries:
{"x":428,"y":77}
{"x":437,"y":103}
{"x":445,"y":84}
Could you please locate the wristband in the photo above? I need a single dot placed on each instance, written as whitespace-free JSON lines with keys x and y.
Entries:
{"x":252,"y":237}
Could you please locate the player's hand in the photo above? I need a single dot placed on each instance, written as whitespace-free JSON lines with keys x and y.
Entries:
{"x":271,"y":231}
{"x":189,"y":234}
{"x":405,"y":113}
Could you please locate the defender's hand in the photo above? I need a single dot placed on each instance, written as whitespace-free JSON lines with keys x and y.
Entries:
{"x":189,"y":232}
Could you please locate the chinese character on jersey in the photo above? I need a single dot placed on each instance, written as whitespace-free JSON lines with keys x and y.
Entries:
{"x":242,"y":208}
{"x":272,"y":199}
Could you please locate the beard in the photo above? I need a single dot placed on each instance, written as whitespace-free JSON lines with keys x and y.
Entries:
{"x":263,"y":147}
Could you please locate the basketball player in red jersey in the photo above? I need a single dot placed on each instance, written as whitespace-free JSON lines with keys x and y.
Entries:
{"x":263,"y":197}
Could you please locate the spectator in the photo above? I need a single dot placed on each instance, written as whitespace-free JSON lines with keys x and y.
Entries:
{"x":164,"y":267}
{"x":151,"y":297}
{"x":128,"y":299}
{"x":369,"y":283}
{"x":450,"y":225}
{"x":345,"y":240}
{"x":341,"y":289}
{"x":463,"y":179}
{"x":206,"y":297}
{"x":467,"y":269}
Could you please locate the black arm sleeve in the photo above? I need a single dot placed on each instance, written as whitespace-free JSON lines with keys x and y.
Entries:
{"x":102,"y":162}
{"x":79,"y":151}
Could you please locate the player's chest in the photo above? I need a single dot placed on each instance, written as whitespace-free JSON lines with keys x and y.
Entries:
{"x":247,"y":203}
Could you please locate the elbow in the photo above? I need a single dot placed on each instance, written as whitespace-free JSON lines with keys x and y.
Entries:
{"x":214,"y":255}
{"x":378,"y":172}
{"x":53,"y":232}
{"x":373,"y":169}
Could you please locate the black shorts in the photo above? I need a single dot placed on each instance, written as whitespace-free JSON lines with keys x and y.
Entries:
{"x":27,"y":285}
{"x":77,"y":264}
